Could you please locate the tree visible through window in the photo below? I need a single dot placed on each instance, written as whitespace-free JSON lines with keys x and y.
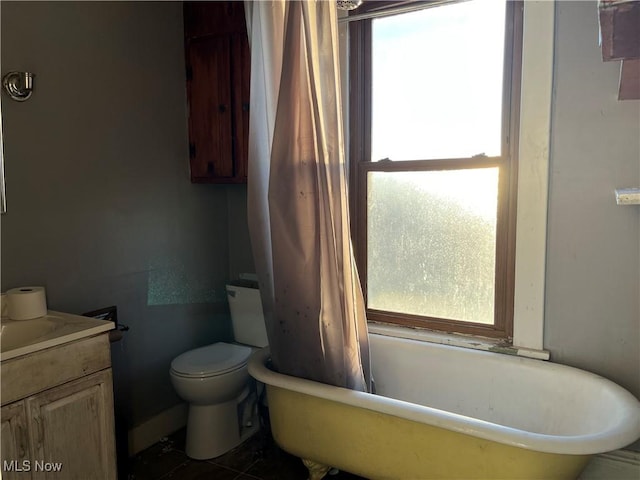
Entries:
{"x":433,"y":116}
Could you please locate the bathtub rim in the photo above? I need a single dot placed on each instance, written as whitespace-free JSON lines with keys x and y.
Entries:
{"x":619,"y":436}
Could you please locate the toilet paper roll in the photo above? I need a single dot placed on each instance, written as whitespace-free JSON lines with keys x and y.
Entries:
{"x":25,"y":303}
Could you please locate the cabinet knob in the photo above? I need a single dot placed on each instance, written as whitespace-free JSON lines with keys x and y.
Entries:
{"x":245,"y":107}
{"x":222,"y":108}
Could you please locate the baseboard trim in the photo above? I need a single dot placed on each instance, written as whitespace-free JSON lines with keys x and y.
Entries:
{"x":151,"y":431}
{"x":616,"y":465}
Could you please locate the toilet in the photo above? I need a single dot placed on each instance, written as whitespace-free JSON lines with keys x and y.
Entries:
{"x":214,"y":380}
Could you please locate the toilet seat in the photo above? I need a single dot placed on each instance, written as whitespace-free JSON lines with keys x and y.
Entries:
{"x":211,"y":360}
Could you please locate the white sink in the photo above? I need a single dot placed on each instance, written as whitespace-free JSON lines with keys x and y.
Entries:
{"x":18,"y":333}
{"x":21,"y":337}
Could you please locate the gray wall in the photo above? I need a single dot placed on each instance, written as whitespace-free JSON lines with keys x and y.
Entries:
{"x":240,"y":256}
{"x":100,"y":207}
{"x":592,"y":317}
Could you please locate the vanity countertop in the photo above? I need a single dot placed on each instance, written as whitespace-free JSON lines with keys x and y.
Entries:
{"x":21,"y":337}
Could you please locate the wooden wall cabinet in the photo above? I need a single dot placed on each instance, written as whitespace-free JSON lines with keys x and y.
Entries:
{"x":620,"y":41}
{"x":62,"y":426}
{"x":218,"y":75}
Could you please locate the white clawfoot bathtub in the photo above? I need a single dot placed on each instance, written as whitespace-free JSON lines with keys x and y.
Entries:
{"x":445,"y":412}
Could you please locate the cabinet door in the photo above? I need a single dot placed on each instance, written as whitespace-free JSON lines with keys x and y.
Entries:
{"x":72,"y":427}
{"x":210,"y":108}
{"x":15,"y":442}
{"x":218,"y":76}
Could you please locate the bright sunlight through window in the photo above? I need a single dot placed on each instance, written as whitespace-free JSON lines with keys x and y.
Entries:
{"x":437,"y":82}
{"x":437,"y":94}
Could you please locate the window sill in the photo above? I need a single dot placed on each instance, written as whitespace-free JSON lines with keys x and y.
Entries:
{"x":456,"y":340}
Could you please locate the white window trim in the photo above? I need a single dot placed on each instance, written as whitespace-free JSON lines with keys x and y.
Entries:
{"x":533,"y":174}
{"x":456,"y":340}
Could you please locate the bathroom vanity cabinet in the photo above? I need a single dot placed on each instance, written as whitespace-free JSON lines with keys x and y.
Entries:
{"x":218,"y":75}
{"x":57,"y":413}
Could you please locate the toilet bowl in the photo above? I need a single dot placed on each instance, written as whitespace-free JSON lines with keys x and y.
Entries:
{"x":214,"y":381}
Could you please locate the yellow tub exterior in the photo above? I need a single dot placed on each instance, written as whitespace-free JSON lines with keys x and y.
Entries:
{"x":445,"y":412}
{"x":382,"y":447}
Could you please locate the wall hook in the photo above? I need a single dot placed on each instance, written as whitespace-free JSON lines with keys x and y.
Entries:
{"x":18,"y":85}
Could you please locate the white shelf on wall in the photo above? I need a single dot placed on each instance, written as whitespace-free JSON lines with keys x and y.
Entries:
{"x":628,"y":196}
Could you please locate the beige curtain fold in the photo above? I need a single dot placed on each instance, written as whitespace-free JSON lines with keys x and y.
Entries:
{"x":297,"y":200}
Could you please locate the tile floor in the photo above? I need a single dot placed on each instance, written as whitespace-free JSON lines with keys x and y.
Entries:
{"x":259,"y":458}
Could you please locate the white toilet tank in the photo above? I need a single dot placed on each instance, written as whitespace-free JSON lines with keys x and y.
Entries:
{"x":246,"y":313}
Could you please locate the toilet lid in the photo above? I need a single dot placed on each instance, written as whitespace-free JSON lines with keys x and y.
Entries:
{"x":211,"y":360}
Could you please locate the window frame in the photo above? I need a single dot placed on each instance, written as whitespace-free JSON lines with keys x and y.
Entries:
{"x":360,"y":61}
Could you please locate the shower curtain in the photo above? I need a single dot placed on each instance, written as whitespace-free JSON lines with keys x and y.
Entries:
{"x":297,"y":196}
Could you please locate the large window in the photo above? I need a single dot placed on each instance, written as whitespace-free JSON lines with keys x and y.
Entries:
{"x":433,"y":122}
